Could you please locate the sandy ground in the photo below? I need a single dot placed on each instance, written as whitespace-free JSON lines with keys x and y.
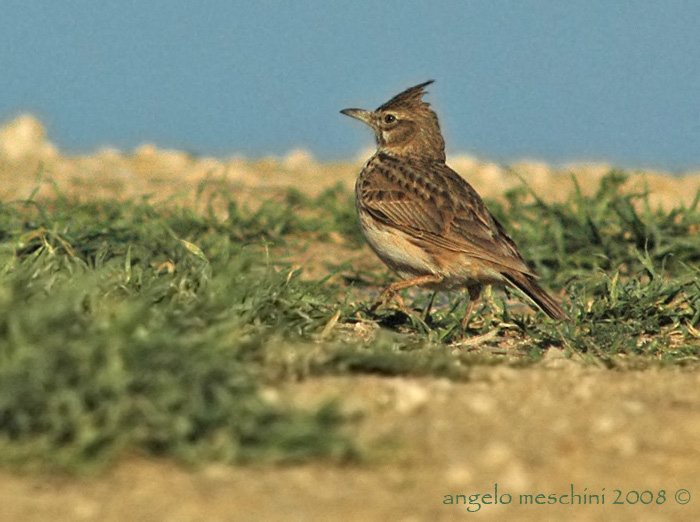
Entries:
{"x":524,"y":432}
{"x":557,"y":428}
{"x":28,"y":161}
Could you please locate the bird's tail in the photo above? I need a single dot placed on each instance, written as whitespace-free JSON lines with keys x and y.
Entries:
{"x":531,"y":288}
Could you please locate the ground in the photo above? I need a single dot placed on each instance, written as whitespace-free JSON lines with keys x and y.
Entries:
{"x":529,"y":431}
{"x":544,"y":428}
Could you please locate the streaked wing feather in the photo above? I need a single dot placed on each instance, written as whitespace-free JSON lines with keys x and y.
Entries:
{"x":431,"y":202}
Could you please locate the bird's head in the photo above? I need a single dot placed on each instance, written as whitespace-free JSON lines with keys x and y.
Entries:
{"x":405,"y":125}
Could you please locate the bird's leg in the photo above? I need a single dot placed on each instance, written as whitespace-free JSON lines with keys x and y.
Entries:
{"x":426,"y":312}
{"x":392,"y":291}
{"x":474,"y":293}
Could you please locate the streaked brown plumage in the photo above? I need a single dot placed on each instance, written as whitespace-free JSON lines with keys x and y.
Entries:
{"x":423,"y":219}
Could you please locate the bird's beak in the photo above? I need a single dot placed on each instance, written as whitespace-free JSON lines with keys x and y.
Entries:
{"x":360,"y":114}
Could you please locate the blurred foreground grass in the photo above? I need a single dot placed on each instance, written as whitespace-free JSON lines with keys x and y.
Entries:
{"x":131,"y":327}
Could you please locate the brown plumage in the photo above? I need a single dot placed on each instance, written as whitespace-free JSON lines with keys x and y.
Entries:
{"x":423,"y":219}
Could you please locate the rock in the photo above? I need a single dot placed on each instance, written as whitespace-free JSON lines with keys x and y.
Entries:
{"x":25,"y":137}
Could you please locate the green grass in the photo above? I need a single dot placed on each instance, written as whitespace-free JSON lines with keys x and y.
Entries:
{"x":129,"y":327}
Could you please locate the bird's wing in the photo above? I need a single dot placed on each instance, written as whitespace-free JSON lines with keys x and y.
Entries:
{"x":433,"y":204}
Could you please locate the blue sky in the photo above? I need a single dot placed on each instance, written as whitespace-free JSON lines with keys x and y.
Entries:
{"x":615,"y":81}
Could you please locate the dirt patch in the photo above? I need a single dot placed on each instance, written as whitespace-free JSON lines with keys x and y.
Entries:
{"x":530,"y":431}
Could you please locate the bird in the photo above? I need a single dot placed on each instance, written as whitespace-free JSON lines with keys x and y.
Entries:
{"x":424,"y":220}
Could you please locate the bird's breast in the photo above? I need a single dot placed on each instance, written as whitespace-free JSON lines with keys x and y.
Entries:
{"x":395,"y":248}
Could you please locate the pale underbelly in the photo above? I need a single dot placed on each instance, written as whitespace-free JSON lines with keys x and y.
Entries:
{"x":408,"y":259}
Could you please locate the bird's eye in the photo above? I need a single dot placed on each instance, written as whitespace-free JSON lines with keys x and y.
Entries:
{"x":389,"y":118}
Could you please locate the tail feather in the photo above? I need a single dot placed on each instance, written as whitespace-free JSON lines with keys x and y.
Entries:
{"x":531,"y":288}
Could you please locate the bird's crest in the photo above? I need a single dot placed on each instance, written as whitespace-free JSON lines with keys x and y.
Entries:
{"x":411,"y":98}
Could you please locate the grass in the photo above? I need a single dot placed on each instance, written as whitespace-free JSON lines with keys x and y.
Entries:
{"x":130,"y":327}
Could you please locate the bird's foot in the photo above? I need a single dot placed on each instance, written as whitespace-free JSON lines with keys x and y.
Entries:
{"x":389,"y":294}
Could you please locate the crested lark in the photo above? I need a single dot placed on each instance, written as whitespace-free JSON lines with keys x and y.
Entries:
{"x":424,"y":220}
